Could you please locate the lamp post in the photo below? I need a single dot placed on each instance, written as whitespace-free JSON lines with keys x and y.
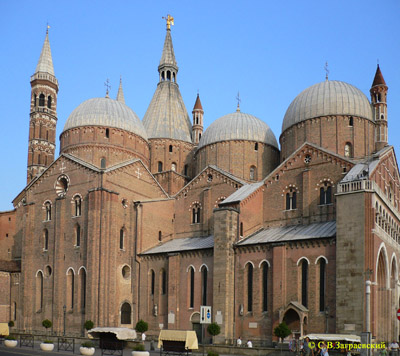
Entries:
{"x":65,"y":311}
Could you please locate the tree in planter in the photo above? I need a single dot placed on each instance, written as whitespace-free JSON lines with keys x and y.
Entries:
{"x":88,"y":325}
{"x":141,"y":326}
{"x":213,"y":329}
{"x":47,"y":324}
{"x":282,"y":331}
{"x":11,"y":324}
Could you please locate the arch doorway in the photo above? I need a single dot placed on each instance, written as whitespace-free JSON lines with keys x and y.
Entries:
{"x":292,"y":320}
{"x":195,"y":320}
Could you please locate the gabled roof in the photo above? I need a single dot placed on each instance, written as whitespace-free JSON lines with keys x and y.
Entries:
{"x":242,"y":193}
{"x":291,"y":233}
{"x":184,"y":244}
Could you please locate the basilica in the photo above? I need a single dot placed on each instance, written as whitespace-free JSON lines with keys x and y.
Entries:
{"x":152,"y":218}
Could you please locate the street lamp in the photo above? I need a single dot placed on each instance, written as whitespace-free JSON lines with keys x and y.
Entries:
{"x":65,"y":311}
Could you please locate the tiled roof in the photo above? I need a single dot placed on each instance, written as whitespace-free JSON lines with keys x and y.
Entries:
{"x":378,"y":80}
{"x":185,"y":244}
{"x":197,"y":104}
{"x":291,"y":233}
{"x":242,"y":193}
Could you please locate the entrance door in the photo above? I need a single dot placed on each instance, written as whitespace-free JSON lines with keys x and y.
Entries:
{"x":197,"y":329}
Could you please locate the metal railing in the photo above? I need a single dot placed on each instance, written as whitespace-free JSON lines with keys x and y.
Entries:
{"x":66,"y":344}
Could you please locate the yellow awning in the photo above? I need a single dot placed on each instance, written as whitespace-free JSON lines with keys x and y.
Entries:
{"x":4,"y":329}
{"x":189,"y":337}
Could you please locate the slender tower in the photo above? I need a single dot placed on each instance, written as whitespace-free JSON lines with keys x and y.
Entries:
{"x":378,"y":92}
{"x":197,"y":128}
{"x":43,"y":115}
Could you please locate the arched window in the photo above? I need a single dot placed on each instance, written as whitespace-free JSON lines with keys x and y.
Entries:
{"x":103,"y":163}
{"x":265,"y":287}
{"x":34,"y":100}
{"x":168,"y":75}
{"x":49,"y":102}
{"x":78,"y":205}
{"x":173,"y":76}
{"x":322,"y":283}
{"x":77,"y":235}
{"x":304,"y":282}
{"x":107,"y":133}
{"x":159,"y":236}
{"x":351,"y":121}
{"x":256,"y":146}
{"x":325,"y":194}
{"x":152,"y":282}
{"x":253,"y":172}
{"x":173,"y":166}
{"x":39,"y":291}
{"x":204,"y":285}
{"x":70,"y":289}
{"x":291,"y":199}
{"x":249,"y":287}
{"x":199,"y":136}
{"x":191,"y":286}
{"x":186,"y":170}
{"x":121,"y":239}
{"x":82,"y":284}
{"x":241,"y":229}
{"x":160,"y":166}
{"x":196,"y":214}
{"x":170,"y":148}
{"x":45,"y":239}
{"x":162,"y":76}
{"x":348,"y":151}
{"x":126,"y":312}
{"x":163,"y":282}
{"x":41,"y":100}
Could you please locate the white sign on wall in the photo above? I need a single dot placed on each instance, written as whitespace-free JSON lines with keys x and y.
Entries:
{"x":205,"y":315}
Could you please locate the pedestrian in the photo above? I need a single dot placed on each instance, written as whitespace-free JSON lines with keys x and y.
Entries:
{"x":306,"y":348}
{"x":239,"y":342}
{"x":143,"y":337}
{"x":324,"y":350}
{"x":249,"y":344}
{"x":394,"y":348}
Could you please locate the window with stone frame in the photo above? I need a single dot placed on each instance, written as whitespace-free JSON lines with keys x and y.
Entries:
{"x":291,"y":199}
{"x":77,"y":235}
{"x":70,"y":289}
{"x":41,"y":99}
{"x":191,"y":287}
{"x":77,"y":205}
{"x":45,"y":240}
{"x":249,"y":286}
{"x":164,"y":285}
{"x":304,"y":282}
{"x":47,"y":207}
{"x":121,"y":239}
{"x":204,"y":277}
{"x":325,"y":194}
{"x":253,"y":173}
{"x":126,"y":313}
{"x":196,"y":213}
{"x":39,"y":291}
{"x":322,"y":284}
{"x":152,"y":282}
{"x":264,"y":284}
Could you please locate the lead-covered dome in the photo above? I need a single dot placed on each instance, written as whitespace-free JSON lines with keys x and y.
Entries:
{"x":327,"y":98}
{"x":106,"y":112}
{"x":238,"y":126}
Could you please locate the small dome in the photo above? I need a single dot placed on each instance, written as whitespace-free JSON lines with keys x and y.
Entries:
{"x":327,"y":98}
{"x":238,"y":126}
{"x":106,"y":112}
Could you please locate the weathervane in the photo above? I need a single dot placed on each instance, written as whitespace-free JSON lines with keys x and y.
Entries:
{"x":108,"y":86}
{"x":170,"y":21}
{"x":47,"y":28}
{"x":326,"y":70}
{"x":238,"y":100}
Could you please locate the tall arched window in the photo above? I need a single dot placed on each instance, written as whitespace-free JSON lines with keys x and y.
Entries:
{"x":34,"y":100}
{"x":256,"y":146}
{"x":49,"y":102}
{"x":82,"y":285}
{"x":163,"y":282}
{"x":325,"y":194}
{"x":265,"y":286}
{"x":191,"y":287}
{"x":152,"y":282}
{"x":322,"y":283}
{"x":249,"y":268}
{"x":70,"y":289}
{"x":241,"y":229}
{"x":304,"y":282}
{"x":78,"y":205}
{"x":204,"y":285}
{"x":196,"y":214}
{"x":170,"y":148}
{"x":160,"y":166}
{"x":41,"y":100}
{"x":126,"y":312}
{"x":45,"y":239}
{"x":103,"y":163}
{"x":253,"y":172}
{"x":14,"y":311}
{"x":291,"y":199}
{"x":77,"y":235}
{"x":121,"y":239}
{"x":39,"y":291}
{"x":186,"y":170}
{"x":47,"y":206}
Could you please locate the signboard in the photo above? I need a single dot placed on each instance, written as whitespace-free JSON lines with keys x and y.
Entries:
{"x":205,"y":315}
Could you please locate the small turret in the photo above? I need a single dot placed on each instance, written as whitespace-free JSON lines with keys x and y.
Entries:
{"x":378,"y":92}
{"x":197,"y":128}
{"x":120,"y":95}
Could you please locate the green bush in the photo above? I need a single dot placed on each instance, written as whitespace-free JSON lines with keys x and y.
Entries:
{"x":139,"y":347}
{"x":88,"y":324}
{"x":9,"y":337}
{"x":48,"y":342}
{"x":282,"y":331}
{"x":11,"y":324}
{"x":47,"y":323}
{"x":87,"y":344}
{"x":213,"y":329}
{"x":141,"y":326}
{"x":212,"y":353}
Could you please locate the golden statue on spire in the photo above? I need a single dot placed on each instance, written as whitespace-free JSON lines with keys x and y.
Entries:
{"x":170,"y":21}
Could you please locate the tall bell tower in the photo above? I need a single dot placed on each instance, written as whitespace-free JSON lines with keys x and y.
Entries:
{"x":43,"y":114}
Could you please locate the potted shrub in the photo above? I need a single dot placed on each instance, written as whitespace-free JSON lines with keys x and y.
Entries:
{"x":88,"y":325}
{"x":282,"y":331}
{"x":214,"y":330}
{"x":87,"y":348}
{"x":141,"y":326}
{"x":11,"y":324}
{"x":10,"y":341}
{"x":47,"y":345}
{"x":139,"y":350}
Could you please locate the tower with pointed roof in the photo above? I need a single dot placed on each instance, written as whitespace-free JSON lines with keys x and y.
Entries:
{"x":378,"y":92}
{"x":43,"y":114}
{"x":168,"y":125}
{"x":197,"y":121}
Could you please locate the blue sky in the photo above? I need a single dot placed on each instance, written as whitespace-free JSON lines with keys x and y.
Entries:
{"x":268,"y":50}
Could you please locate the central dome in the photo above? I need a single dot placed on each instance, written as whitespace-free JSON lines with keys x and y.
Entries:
{"x":327,"y":98}
{"x":106,"y":112}
{"x":238,"y":126}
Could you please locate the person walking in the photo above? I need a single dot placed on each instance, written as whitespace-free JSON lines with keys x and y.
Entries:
{"x":239,"y":342}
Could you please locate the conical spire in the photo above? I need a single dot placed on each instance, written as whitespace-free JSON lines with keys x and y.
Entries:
{"x":197,"y":104}
{"x":168,"y":55}
{"x":120,"y":95}
{"x":45,"y":63}
{"x":378,"y":80}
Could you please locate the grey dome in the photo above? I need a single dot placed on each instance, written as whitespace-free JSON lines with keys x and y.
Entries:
{"x":106,"y":112}
{"x":238,"y":126}
{"x":327,"y":98}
